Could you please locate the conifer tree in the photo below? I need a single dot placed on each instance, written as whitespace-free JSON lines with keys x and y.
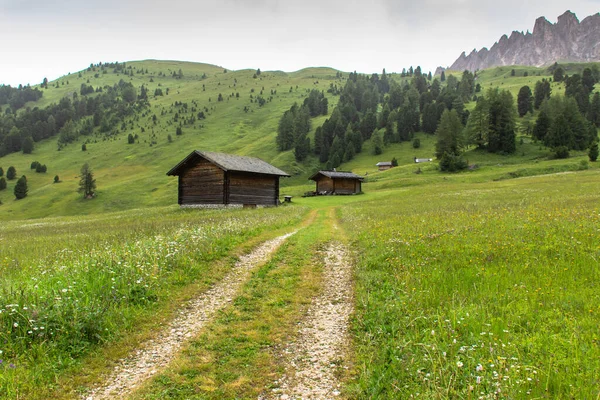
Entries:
{"x":87,"y":183}
{"x":11,"y":173}
{"x":21,"y":188}
{"x":593,"y":153}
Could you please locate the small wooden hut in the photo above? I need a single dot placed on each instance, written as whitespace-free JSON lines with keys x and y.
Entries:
{"x":208,"y":178}
{"x":384,"y":165}
{"x":334,"y":182}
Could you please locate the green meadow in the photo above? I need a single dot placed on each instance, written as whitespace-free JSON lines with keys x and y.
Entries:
{"x":478,"y":284}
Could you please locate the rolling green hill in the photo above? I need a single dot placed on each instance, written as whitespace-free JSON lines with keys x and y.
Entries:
{"x":133,"y":176}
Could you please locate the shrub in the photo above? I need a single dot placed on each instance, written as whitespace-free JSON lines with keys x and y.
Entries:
{"x":561,"y":152}
{"x":2,"y":183}
{"x":452,"y":163}
{"x":394,"y":162}
{"x":83,"y":147}
{"x":56,"y":179}
{"x":416,"y":143}
{"x":592,"y":154}
{"x":130,"y":139}
{"x":1,"y":172}
{"x":179,"y":131}
{"x":34,"y":165}
{"x":41,"y":168}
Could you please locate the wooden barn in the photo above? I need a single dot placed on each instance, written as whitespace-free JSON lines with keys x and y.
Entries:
{"x":334,"y":182}
{"x":208,"y":178}
{"x":384,"y":165}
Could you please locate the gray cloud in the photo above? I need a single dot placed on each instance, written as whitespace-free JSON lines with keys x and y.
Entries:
{"x":51,"y":38}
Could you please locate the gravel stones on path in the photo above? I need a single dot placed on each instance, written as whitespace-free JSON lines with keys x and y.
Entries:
{"x":157,"y":353}
{"x":321,"y":346}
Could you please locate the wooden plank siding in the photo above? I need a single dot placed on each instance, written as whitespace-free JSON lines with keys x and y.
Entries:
{"x":346,"y":186}
{"x":246,"y":188}
{"x":338,"y":185}
{"x":202,"y":183}
{"x":325,"y":184}
{"x":209,"y":178}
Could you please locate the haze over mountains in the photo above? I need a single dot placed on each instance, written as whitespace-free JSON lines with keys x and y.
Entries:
{"x":568,"y":40}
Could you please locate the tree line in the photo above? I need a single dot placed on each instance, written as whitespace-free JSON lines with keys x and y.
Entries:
{"x":71,"y":117}
{"x":17,"y":97}
{"x":387,"y":111}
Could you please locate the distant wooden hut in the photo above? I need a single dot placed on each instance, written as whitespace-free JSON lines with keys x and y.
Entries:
{"x":384,"y":165}
{"x":334,"y":182}
{"x":208,"y":178}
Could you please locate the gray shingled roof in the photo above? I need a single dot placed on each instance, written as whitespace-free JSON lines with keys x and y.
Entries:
{"x":230,"y":162}
{"x":336,"y":174}
{"x":383,"y":163}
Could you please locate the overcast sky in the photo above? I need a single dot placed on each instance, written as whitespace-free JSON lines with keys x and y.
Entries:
{"x":49,"y":38}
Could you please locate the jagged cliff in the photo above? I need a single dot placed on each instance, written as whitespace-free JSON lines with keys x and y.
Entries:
{"x":567,"y":40}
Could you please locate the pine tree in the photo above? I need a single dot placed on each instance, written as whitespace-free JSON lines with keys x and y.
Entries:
{"x":449,"y":133}
{"x":524,"y":101}
{"x":377,"y":144}
{"x":502,"y":135}
{"x":478,"y":125}
{"x":87,"y":183}
{"x":11,"y":173}
{"x":21,"y":188}
{"x":593,"y":153}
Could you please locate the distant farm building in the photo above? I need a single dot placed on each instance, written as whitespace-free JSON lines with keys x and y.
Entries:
{"x":207,"y":178}
{"x":422,"y":160}
{"x":333,"y":182}
{"x":384,"y":165}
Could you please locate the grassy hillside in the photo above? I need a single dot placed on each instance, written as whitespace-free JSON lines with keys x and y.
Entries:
{"x":133,"y":176}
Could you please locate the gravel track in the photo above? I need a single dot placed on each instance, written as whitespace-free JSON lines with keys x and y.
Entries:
{"x":156,"y":354}
{"x":311,"y":362}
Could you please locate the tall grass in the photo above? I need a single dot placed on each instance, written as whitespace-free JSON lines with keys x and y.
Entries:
{"x":479,"y":291}
{"x":70,"y":285}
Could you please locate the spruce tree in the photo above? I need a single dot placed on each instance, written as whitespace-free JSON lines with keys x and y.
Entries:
{"x":87,"y":183}
{"x":21,"y":188}
{"x":593,"y":153}
{"x":524,"y":101}
{"x":11,"y":173}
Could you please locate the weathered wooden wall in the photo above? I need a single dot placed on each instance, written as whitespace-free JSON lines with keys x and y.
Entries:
{"x":338,"y":185}
{"x":202,"y":183}
{"x":247,"y":188}
{"x":324,"y":184}
{"x":347,"y":186}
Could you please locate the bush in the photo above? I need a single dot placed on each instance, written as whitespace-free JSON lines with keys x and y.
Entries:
{"x":561,"y":152}
{"x":130,"y":139}
{"x":416,"y":143}
{"x":41,"y":168}
{"x":34,"y":165}
{"x":452,"y":163}
{"x":179,"y":131}
{"x":56,"y":179}
{"x":83,"y":147}
{"x":2,"y":183}
{"x":394,"y":162}
{"x":1,"y":172}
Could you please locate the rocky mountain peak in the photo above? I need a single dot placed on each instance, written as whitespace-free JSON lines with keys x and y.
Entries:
{"x":566,"y":40}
